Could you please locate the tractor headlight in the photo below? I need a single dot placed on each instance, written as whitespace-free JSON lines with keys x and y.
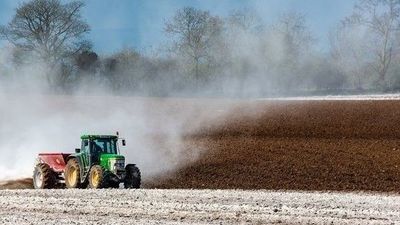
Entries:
{"x":119,"y":164}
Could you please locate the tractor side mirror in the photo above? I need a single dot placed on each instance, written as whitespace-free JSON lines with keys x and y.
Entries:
{"x":77,"y":150}
{"x":123,"y":142}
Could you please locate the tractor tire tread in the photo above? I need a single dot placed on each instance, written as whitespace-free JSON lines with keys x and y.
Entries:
{"x":133,"y":177}
{"x":73,"y":162}
{"x":103,"y":180}
{"x":49,"y":178}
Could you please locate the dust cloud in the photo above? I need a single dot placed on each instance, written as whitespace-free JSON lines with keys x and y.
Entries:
{"x":54,"y":123}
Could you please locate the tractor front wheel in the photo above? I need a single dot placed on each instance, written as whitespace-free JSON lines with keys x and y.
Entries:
{"x":133,"y":177}
{"x":72,"y":174}
{"x":43,"y":177}
{"x":96,"y":177}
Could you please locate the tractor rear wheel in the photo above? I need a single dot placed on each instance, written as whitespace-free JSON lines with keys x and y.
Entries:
{"x":96,"y":177}
{"x":133,"y":177}
{"x":43,"y":177}
{"x":72,"y":174}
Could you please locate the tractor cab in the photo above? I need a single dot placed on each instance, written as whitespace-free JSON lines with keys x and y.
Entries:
{"x":101,"y":150}
{"x":95,"y":146}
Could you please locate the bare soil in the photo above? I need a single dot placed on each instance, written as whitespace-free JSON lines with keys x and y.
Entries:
{"x":17,"y":184}
{"x":300,"y":145}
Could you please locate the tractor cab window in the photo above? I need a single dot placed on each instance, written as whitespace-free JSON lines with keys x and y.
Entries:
{"x":104,"y":145}
{"x":85,"y":146}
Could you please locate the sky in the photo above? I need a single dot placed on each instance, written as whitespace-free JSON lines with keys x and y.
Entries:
{"x":117,"y":24}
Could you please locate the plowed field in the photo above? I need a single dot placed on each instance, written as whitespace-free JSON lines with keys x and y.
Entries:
{"x":301,"y":145}
{"x":293,"y":145}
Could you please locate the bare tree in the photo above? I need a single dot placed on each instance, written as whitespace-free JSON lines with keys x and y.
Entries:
{"x":243,"y":35}
{"x":350,"y":54}
{"x":295,"y":34}
{"x":195,"y":32}
{"x":382,"y":19}
{"x":246,"y":20}
{"x":48,"y":28}
{"x":295,"y":42}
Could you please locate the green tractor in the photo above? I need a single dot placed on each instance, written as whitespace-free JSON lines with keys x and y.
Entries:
{"x":96,"y":164}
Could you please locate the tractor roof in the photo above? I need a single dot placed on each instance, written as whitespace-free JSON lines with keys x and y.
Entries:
{"x":95,"y":136}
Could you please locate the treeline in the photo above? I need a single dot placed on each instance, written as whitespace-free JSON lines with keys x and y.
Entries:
{"x":238,"y":55}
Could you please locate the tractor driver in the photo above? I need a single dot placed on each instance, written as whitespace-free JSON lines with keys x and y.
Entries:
{"x":96,"y":150}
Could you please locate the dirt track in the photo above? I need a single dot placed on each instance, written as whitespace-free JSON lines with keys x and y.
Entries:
{"x":195,"y":207}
